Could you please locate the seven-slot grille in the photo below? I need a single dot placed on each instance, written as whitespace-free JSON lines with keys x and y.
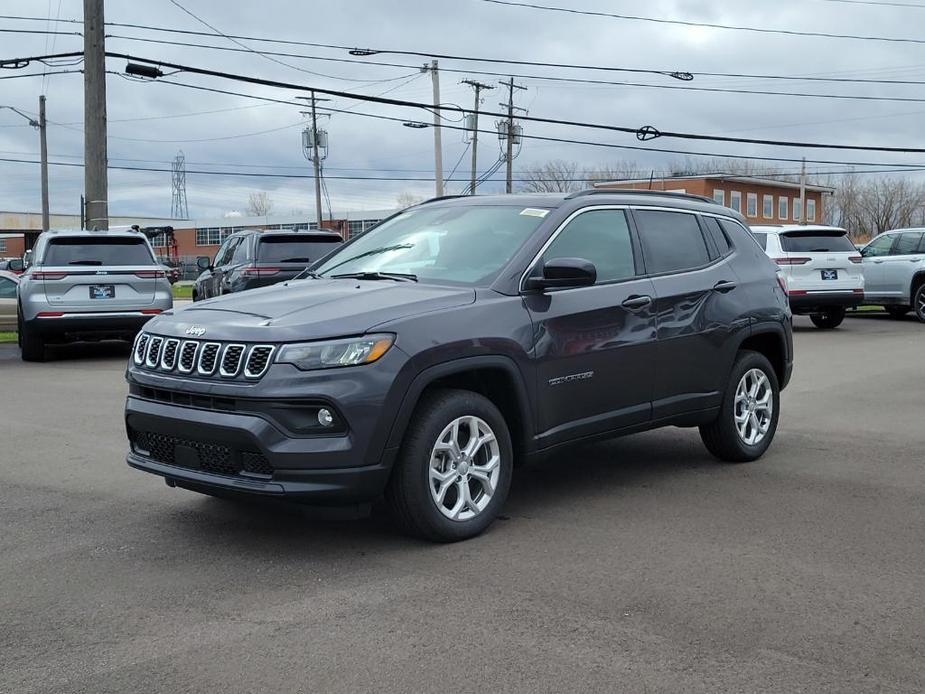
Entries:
{"x":200,"y":358}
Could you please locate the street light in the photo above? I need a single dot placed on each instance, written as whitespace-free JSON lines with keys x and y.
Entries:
{"x":40,"y":126}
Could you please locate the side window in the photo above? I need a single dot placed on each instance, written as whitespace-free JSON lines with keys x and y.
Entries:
{"x":907,"y":244}
{"x":7,"y":288}
{"x":601,"y":236}
{"x":879,"y":246}
{"x":239,"y":255}
{"x":718,"y":235}
{"x":226,"y":251}
{"x":671,"y":241}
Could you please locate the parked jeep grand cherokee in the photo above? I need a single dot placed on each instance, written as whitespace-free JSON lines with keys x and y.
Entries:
{"x":428,"y":358}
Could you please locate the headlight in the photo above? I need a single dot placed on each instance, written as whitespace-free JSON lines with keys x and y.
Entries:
{"x":351,"y":351}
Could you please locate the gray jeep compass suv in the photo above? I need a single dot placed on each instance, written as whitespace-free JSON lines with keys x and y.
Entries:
{"x":425,"y":360}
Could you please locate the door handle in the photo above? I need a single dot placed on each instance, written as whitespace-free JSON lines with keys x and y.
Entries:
{"x":877,"y":262}
{"x":635,"y":302}
{"x":724,"y":286}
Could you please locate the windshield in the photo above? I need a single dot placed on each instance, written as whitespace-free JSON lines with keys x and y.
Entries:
{"x":291,"y":249}
{"x":465,"y":245}
{"x":80,"y":250}
{"x":816,"y":241}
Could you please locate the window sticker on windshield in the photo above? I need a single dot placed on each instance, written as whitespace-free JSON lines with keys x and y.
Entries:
{"x":534,"y":212}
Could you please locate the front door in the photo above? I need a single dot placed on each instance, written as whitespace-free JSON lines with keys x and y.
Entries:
{"x":593,"y":346}
{"x":873,"y":258}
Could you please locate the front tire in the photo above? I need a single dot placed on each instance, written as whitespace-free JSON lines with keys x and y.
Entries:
{"x":454,"y":470}
{"x":748,"y":417}
{"x":897,"y":312}
{"x":828,"y":319}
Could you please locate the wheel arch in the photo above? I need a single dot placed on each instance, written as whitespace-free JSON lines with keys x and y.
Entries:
{"x":917,"y":280}
{"x":770,"y":340}
{"x":496,"y":377}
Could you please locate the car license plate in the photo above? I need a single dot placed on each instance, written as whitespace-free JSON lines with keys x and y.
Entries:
{"x":102,"y":291}
{"x":829,"y":274}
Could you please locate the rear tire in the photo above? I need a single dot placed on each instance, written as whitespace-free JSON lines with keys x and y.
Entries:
{"x":897,"y":312}
{"x":441,"y":489}
{"x":918,"y":302}
{"x":828,"y":319}
{"x":31,"y":345}
{"x":723,"y":437}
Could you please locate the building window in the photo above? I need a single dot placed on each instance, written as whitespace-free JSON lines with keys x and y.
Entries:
{"x":354,"y":227}
{"x":735,"y":200}
{"x":719,"y":196}
{"x":797,"y":208}
{"x":810,"y":210}
{"x":209,"y":236}
{"x":2,"y":245}
{"x":767,"y":207}
{"x":783,"y":208}
{"x":751,"y":205}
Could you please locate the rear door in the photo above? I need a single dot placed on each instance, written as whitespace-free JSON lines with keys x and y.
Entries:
{"x":821,"y":260}
{"x":901,"y":264}
{"x":283,"y":256}
{"x":698,"y":305}
{"x":593,"y":346}
{"x":105,"y":273}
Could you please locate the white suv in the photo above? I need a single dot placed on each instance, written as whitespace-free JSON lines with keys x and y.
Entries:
{"x":894,"y":268}
{"x":821,"y":269}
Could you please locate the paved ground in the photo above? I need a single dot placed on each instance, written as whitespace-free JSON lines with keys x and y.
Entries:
{"x":638,"y":565}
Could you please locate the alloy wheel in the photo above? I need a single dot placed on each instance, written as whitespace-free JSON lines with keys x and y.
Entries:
{"x":465,"y":465}
{"x":754,"y":407}
{"x":920,"y":303}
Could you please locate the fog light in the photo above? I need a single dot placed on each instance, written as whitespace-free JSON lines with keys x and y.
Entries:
{"x":325,"y":418}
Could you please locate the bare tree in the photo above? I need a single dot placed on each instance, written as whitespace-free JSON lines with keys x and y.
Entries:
{"x":621,"y":170}
{"x":867,"y":207}
{"x":259,"y":204}
{"x":406,"y":199}
{"x":556,"y":176}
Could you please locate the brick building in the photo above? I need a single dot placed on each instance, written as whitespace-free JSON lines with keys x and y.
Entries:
{"x":761,"y":200}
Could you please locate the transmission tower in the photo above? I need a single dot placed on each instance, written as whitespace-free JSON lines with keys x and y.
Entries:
{"x":178,"y":207}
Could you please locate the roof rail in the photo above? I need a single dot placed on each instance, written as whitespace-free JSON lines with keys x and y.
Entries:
{"x":633,"y":191}
{"x":441,"y":197}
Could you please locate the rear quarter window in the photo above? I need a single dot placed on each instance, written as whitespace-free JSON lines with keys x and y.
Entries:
{"x":112,"y":251}
{"x":762,"y":239}
{"x":671,"y":241}
{"x":816,"y":242}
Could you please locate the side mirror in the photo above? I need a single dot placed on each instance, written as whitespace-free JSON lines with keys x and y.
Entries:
{"x":16,"y":265}
{"x":564,"y":272}
{"x":204,"y":263}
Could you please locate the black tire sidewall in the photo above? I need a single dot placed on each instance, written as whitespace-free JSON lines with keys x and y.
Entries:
{"x":917,"y":302}
{"x":435,"y":413}
{"x":828,"y":320}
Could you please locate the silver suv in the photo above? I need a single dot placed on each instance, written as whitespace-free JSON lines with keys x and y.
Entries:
{"x":88,"y":285}
{"x":894,"y":272}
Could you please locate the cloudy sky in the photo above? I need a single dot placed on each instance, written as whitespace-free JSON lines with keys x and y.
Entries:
{"x":149,"y":122}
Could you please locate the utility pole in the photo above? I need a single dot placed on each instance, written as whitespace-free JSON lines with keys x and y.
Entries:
{"x":478,"y":87}
{"x":803,"y":192}
{"x":438,"y":138}
{"x":509,"y":154}
{"x":316,"y":163}
{"x":95,"y":156}
{"x":46,"y":224}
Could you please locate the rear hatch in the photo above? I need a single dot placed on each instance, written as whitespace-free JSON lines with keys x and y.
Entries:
{"x":283,"y":256}
{"x":106,"y":273}
{"x":820,"y":260}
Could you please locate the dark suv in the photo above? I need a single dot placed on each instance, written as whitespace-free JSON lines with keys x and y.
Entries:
{"x":428,"y":358}
{"x":253,"y":258}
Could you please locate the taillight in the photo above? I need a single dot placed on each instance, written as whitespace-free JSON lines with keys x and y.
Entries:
{"x":49,"y":314}
{"x":792,"y":261}
{"x":260,"y":271}
{"x":49,"y":275}
{"x":150,"y":311}
{"x":797,"y":292}
{"x":856,"y":259}
{"x":150,"y":274}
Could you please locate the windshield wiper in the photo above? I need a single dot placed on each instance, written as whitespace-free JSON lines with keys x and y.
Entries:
{"x":295,"y":260}
{"x":374,"y":251}
{"x":397,"y":276}
{"x":86,"y":262}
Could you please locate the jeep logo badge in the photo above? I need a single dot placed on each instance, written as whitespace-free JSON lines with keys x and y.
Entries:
{"x":195,"y":330}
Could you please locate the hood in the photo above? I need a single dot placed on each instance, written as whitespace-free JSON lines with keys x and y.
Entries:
{"x":308,"y":310}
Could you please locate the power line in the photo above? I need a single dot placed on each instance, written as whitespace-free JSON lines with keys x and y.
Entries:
{"x":706,"y":25}
{"x":442,"y":56}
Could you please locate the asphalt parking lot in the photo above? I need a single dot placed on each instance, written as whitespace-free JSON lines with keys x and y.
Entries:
{"x":636,"y":565}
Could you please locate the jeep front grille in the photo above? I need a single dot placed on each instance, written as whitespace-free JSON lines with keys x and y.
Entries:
{"x":202,"y":359}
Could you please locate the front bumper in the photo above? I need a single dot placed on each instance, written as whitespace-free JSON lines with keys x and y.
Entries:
{"x":250,"y":453}
{"x":818,"y":301}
